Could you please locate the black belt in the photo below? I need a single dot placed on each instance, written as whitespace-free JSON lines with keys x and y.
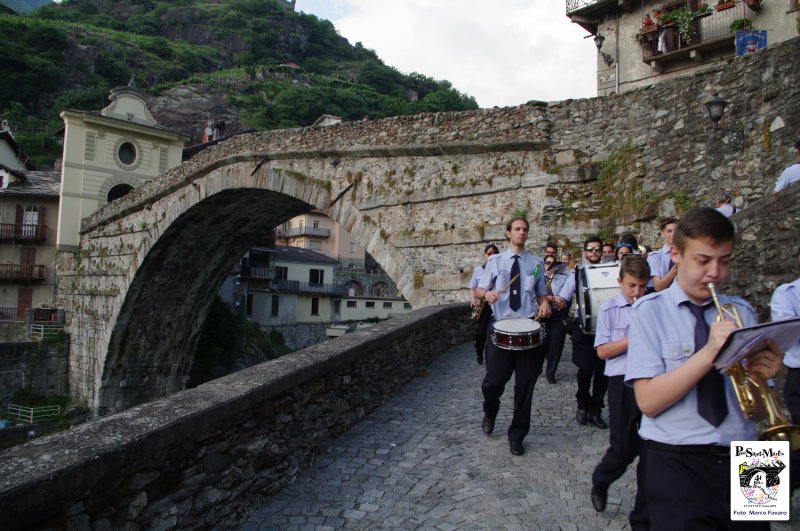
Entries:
{"x":707,"y":449}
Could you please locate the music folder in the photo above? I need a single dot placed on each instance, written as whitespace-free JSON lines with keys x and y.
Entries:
{"x":744,"y":341}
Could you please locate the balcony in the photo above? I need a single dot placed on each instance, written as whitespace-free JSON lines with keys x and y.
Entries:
{"x":589,"y":8}
{"x":306,"y":287}
{"x":22,"y":272}
{"x":710,"y":31}
{"x":302,"y":231}
{"x":19,"y":231}
{"x":256,"y":273}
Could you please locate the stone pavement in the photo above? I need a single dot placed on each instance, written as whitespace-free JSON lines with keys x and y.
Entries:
{"x":421,"y":461}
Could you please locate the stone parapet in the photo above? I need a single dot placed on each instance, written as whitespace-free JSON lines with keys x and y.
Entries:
{"x":205,"y":457}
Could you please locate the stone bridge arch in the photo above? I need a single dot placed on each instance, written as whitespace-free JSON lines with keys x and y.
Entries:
{"x":139,"y":288}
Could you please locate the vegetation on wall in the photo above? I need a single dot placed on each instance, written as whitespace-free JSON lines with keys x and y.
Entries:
{"x":69,"y":55}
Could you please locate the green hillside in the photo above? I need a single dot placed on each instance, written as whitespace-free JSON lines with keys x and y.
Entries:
{"x":69,"y":55}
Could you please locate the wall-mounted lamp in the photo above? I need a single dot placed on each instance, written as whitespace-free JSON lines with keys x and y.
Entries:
{"x":716,"y":107}
{"x":598,"y":41}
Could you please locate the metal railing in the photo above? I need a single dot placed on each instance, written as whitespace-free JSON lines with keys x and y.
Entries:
{"x":32,"y":415}
{"x":263,"y":273}
{"x":302,"y":231}
{"x":42,"y":331}
{"x":20,"y":231}
{"x":306,"y":287}
{"x":577,"y":5}
{"x":22,"y":271}
{"x":11,"y":313}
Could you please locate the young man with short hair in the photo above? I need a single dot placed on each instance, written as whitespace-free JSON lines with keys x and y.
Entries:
{"x":525,"y":297}
{"x":661,"y":265}
{"x":592,"y":383}
{"x":611,"y":342}
{"x":790,"y":175}
{"x":690,"y":411}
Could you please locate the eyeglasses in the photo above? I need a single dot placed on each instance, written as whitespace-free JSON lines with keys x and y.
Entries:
{"x":628,"y":245}
{"x":593,"y":249}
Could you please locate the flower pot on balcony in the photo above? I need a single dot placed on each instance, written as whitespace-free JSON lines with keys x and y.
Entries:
{"x":724,"y":5}
{"x":652,"y":28}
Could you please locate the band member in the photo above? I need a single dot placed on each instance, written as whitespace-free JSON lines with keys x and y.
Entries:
{"x":611,"y":343}
{"x":785,"y":304}
{"x":520,"y":300}
{"x":592,"y":383}
{"x":690,"y":411}
{"x":661,"y":265}
{"x":557,"y":273}
{"x":486,"y":314}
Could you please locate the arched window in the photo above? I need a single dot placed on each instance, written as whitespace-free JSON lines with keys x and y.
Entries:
{"x":117,"y":191}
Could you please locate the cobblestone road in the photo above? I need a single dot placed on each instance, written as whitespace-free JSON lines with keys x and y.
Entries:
{"x":421,"y":461}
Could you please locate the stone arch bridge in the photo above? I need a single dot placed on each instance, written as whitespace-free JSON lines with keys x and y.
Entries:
{"x":421,"y":193}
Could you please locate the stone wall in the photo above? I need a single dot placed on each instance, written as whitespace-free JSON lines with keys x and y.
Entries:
{"x":42,"y":366}
{"x":205,"y":457}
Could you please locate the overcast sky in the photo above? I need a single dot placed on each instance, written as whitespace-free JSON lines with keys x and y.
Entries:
{"x":502,"y":53}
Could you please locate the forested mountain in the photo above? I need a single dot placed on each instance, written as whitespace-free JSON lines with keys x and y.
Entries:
{"x":24,"y":6}
{"x":214,"y":59}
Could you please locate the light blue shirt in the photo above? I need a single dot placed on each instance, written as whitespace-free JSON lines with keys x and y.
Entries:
{"x":659,"y":262}
{"x":567,"y":289}
{"x":612,"y":325}
{"x":789,"y":176}
{"x":476,"y":276}
{"x":660,"y":339}
{"x":786,"y":303}
{"x":559,"y":279}
{"x":497,"y":275}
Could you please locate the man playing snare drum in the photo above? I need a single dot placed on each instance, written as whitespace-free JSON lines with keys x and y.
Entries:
{"x":518,"y":291}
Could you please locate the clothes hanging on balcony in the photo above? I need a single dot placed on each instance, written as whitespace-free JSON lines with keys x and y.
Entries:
{"x":662,"y":42}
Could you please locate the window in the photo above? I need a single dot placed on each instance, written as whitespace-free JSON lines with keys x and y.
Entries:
{"x":387,"y":305}
{"x":314,"y":305}
{"x":117,"y":191}
{"x":337,"y":306}
{"x":281,"y":273}
{"x":127,"y":153}
{"x":275,"y":306}
{"x":249,"y":305}
{"x":315,"y":245}
{"x":406,"y":305}
{"x":31,"y":216}
{"x":316,"y":277}
{"x":352,"y":247}
{"x":316,"y":224}
{"x":370,"y":304}
{"x":351,"y":304}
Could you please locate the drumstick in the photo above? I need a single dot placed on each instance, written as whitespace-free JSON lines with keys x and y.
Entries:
{"x":507,"y":285}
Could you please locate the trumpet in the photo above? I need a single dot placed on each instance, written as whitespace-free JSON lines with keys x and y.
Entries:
{"x":756,"y":398}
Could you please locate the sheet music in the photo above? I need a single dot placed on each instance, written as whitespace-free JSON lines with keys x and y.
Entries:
{"x":744,"y":341}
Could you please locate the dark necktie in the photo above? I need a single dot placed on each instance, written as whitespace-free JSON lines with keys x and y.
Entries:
{"x":514,"y":299}
{"x":711,"y":402}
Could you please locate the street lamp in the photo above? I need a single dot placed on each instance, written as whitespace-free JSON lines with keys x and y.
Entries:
{"x":598,"y":41}
{"x":715,"y":108}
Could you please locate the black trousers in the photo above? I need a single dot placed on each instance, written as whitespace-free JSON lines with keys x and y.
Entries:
{"x":691,"y":491}
{"x":624,"y":446}
{"x":592,"y":383}
{"x":526,"y":366}
{"x":556,"y":334}
{"x":791,"y":396}
{"x":481,"y":325}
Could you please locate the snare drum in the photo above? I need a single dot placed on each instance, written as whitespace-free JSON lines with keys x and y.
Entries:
{"x":517,"y":334}
{"x":594,"y":285}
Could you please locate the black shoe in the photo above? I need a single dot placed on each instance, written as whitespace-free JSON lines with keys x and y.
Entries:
{"x":581,"y":416}
{"x":517,"y":448}
{"x":479,"y":358}
{"x":599,"y":498}
{"x":598,"y":422}
{"x":487,"y":425}
{"x":551,"y":379}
